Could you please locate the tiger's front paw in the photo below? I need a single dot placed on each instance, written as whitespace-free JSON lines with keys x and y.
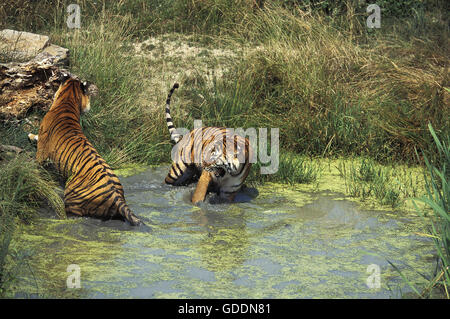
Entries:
{"x":202,"y":187}
{"x":33,"y":137}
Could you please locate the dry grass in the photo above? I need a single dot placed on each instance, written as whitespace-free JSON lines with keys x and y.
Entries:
{"x":331,"y":86}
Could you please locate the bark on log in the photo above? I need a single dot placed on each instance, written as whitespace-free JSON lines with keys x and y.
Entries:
{"x":10,"y":148}
{"x":30,"y":84}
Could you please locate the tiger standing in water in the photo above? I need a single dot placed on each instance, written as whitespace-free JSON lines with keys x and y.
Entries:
{"x":214,"y":156}
{"x":92,"y":189}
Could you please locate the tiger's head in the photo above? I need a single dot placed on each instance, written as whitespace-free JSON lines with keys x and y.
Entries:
{"x":85,"y":89}
{"x":225,"y":156}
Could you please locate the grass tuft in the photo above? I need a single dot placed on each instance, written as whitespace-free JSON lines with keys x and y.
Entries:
{"x":292,"y":169}
{"x":23,"y":187}
{"x":388,"y":185}
{"x":438,"y":199}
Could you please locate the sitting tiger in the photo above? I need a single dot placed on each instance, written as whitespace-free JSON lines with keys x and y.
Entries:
{"x":92,"y":189}
{"x":203,"y":154}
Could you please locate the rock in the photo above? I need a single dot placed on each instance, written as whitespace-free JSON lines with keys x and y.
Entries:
{"x":10,"y":148}
{"x":60,"y":54}
{"x":17,"y":46}
{"x":29,"y":83}
{"x":26,"y":85}
{"x":8,"y":152}
{"x":22,"y":45}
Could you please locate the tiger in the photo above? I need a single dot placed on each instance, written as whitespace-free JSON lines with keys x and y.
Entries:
{"x":203,"y":155}
{"x":92,"y":189}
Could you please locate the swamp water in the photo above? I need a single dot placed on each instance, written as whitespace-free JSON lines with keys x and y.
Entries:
{"x":274,"y":242}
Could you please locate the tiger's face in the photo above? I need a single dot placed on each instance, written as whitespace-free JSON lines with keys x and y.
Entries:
{"x":221,"y":159}
{"x":214,"y":158}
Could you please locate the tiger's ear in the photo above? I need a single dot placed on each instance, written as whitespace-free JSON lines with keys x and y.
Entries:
{"x":89,"y":89}
{"x":63,"y":77}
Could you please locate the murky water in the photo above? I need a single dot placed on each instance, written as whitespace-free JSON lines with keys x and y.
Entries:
{"x":275,"y":242}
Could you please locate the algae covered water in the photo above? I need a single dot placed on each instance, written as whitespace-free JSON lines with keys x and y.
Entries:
{"x":274,"y":242}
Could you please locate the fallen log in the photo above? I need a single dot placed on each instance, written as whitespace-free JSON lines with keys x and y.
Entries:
{"x":30,"y":84}
{"x":10,"y":148}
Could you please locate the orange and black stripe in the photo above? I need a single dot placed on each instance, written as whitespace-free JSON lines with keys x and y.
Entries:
{"x":192,"y":155}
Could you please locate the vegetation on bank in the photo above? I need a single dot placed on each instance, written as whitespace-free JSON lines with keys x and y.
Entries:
{"x":332,"y":86}
{"x":438,"y":199}
{"x":389,"y":185}
{"x":23,"y":189}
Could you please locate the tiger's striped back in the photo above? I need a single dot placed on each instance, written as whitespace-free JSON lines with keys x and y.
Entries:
{"x":92,"y":188}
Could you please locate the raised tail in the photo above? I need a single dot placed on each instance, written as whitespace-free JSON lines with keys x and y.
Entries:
{"x":174,"y":136}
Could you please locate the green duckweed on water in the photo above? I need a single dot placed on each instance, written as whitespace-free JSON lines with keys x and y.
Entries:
{"x":274,"y":242}
{"x":130,"y":170}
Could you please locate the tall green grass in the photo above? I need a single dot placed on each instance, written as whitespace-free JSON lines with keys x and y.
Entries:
{"x":149,"y":17}
{"x":292,"y":170}
{"x":330,"y":95}
{"x":23,"y":188}
{"x":122,"y":130}
{"x":331,"y":89}
{"x":12,"y":258}
{"x":6,"y":232}
{"x":388,"y":185}
{"x":438,"y":199}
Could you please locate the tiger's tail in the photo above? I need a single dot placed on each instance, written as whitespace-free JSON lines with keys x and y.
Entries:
{"x":126,"y":213}
{"x":174,"y":136}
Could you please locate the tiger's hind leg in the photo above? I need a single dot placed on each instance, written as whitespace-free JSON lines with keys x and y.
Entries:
{"x":72,"y":209}
{"x":73,"y":200}
{"x":178,"y":176}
